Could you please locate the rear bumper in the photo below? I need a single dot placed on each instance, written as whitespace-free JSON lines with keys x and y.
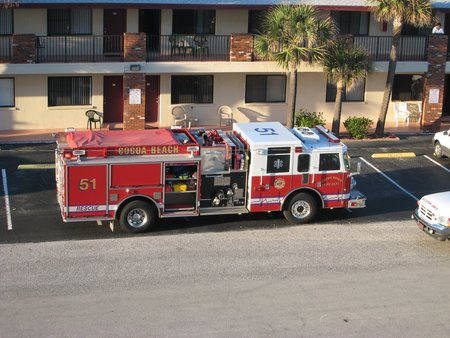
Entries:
{"x":356,"y":200}
{"x":436,"y":231}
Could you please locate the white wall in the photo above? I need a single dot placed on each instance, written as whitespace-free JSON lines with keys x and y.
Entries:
{"x":231,"y":21}
{"x":32,"y":112}
{"x":30,"y":21}
{"x":132,"y":20}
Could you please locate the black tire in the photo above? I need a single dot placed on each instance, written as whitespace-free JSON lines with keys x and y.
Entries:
{"x":137,"y":216}
{"x":438,"y":150}
{"x":301,"y":209}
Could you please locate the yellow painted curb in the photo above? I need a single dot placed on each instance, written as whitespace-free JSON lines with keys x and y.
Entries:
{"x":391,"y":155}
{"x":36,"y":166}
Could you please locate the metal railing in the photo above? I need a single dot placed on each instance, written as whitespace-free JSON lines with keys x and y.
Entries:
{"x":5,"y":48}
{"x":79,"y":48}
{"x":411,"y":48}
{"x":92,"y":48}
{"x":188,"y":47}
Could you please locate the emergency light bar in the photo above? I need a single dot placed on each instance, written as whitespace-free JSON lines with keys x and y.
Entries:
{"x":329,"y":135}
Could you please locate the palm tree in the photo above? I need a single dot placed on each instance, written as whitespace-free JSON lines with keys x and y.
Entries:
{"x":414,"y":12}
{"x":345,"y":65}
{"x":293,"y":34}
{"x":8,"y":3}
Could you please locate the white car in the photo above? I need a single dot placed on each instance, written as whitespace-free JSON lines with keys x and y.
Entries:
{"x":433,"y":215}
{"x":441,"y":143}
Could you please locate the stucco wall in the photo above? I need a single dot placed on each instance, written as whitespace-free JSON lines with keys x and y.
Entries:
{"x":28,"y":21}
{"x":311,"y":97}
{"x":32,"y":111}
{"x":231,"y":21}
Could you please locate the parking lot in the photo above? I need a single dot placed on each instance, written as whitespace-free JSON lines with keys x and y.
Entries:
{"x":392,"y":183}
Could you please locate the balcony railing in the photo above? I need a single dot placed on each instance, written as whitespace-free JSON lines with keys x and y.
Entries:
{"x":89,"y":48}
{"x":188,"y":47}
{"x":411,"y":48}
{"x":5,"y":48}
{"x":80,"y":48}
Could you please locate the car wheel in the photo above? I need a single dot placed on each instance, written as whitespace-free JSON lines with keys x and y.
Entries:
{"x":438,"y":150}
{"x":301,"y":209}
{"x":137,"y":216}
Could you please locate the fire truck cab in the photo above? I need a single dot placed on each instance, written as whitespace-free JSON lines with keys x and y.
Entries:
{"x":135,"y":177}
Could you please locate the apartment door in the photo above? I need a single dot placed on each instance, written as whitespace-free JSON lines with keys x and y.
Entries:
{"x":151,"y":98}
{"x":150,"y":23}
{"x":114,"y":25}
{"x":113,"y":99}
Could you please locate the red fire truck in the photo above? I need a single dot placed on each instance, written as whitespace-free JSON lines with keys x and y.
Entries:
{"x":134,"y":177}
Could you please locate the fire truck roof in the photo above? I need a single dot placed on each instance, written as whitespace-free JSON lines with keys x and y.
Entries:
{"x":121,"y":138}
{"x":266,"y":134}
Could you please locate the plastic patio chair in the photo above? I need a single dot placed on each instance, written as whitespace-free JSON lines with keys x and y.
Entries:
{"x":94,"y":117}
{"x":225,"y":116}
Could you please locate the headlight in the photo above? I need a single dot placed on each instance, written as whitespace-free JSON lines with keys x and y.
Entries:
{"x":445,"y":221}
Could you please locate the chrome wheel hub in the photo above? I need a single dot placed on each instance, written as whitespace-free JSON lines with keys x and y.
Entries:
{"x":136,"y":218}
{"x":300,"y":209}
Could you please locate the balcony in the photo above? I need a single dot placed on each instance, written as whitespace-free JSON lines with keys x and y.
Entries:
{"x":5,"y":48}
{"x":188,"y":47}
{"x":80,"y":48}
{"x":411,"y":48}
{"x":111,"y":48}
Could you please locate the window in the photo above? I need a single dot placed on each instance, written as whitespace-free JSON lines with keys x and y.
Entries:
{"x":7,"y":92}
{"x":329,"y":162}
{"x":76,"y":21}
{"x":408,"y":87}
{"x":255,"y":21}
{"x":192,"y":89}
{"x":191,"y":21}
{"x":356,"y":23}
{"x":69,"y":91}
{"x":265,"y":88}
{"x":303,"y":163}
{"x":411,"y":30}
{"x":278,"y":160}
{"x":353,"y":95}
{"x":6,"y":21}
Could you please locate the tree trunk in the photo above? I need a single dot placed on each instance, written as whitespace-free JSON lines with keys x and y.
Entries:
{"x":337,"y":109}
{"x":292,"y":98}
{"x":397,"y":30}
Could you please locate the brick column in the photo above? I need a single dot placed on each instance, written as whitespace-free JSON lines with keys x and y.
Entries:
{"x":24,"y":48}
{"x":241,"y":47}
{"x":135,"y":47}
{"x":434,"y":83}
{"x":133,"y":113}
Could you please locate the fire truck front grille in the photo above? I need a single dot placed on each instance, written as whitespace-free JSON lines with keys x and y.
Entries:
{"x":426,"y":213}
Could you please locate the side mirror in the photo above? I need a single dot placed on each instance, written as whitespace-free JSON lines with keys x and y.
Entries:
{"x":446,"y":132}
{"x":358,"y":169}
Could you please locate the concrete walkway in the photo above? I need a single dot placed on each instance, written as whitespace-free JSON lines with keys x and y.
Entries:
{"x":49,"y":135}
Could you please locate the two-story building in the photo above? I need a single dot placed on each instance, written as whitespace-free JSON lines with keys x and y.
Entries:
{"x":136,"y":60}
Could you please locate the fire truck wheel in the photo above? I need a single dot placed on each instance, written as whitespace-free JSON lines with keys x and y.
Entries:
{"x":137,"y":216}
{"x":438,"y":150}
{"x":302,"y":208}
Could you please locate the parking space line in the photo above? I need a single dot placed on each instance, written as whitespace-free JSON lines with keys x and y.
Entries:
{"x":393,"y":155}
{"x":437,"y":163}
{"x":36,"y":166}
{"x":390,"y":179}
{"x":8,"y":209}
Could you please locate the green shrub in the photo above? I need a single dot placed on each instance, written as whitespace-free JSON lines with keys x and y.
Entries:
{"x":305,"y":118}
{"x":358,"y":127}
